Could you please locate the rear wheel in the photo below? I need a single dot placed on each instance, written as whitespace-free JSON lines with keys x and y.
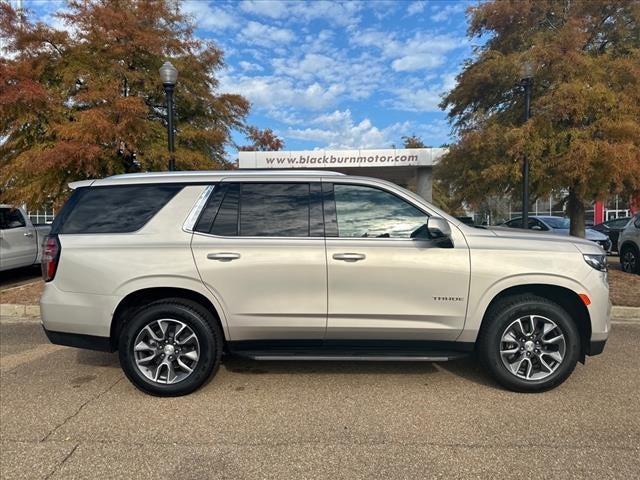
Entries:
{"x":170,"y":347}
{"x":529,"y":344}
{"x":629,"y":259}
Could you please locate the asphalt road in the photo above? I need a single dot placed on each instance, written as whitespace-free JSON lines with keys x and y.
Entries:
{"x":68,"y":413}
{"x":19,"y":276}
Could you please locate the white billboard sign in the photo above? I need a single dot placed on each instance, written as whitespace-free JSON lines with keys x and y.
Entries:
{"x":341,"y":158}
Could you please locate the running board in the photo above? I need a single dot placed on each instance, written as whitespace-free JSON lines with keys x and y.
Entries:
{"x":435,"y":357}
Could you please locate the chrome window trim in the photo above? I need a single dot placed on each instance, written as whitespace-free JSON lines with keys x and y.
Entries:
{"x":190,"y":223}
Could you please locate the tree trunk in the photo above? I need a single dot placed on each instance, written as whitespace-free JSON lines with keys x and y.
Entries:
{"x":575,"y":209}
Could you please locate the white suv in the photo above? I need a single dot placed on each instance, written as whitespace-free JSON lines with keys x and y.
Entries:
{"x":175,"y":269}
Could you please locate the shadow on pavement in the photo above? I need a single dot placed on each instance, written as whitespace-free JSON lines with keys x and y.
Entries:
{"x":467,"y":368}
{"x":98,"y":359}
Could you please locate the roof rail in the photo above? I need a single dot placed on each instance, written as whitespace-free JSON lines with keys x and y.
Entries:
{"x":244,"y":171}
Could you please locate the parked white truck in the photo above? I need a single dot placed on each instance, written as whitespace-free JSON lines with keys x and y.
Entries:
{"x":20,"y":240}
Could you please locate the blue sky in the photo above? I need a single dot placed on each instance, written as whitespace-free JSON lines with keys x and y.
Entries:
{"x":336,"y":74}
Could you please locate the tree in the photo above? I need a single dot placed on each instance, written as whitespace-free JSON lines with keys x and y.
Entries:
{"x":441,"y":195}
{"x":89,"y":103}
{"x":584,"y":134}
{"x":412,"y":141}
{"x":262,"y":140}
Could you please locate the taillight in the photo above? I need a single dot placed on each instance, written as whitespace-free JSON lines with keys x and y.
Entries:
{"x":50,"y":256}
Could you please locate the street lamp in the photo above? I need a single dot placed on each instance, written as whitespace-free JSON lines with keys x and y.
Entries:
{"x":169,"y":77}
{"x":526,"y":79}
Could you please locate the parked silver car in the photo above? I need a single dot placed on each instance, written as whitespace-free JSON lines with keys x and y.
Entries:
{"x":20,"y":240}
{"x":560,"y":226}
{"x":173,"y":269}
{"x":629,"y":243}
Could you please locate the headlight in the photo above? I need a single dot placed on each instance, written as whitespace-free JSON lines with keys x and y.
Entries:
{"x":599,"y":262}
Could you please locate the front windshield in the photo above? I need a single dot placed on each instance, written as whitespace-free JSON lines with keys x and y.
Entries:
{"x":560,"y":223}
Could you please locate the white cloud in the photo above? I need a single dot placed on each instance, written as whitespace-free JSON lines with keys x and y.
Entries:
{"x":339,"y":13}
{"x":209,"y":17}
{"x":270,"y":93}
{"x":443,"y":14}
{"x":250,"y":67}
{"x":411,"y":63}
{"x":266,"y":8}
{"x":255,"y":33}
{"x":421,"y":95}
{"x":416,"y":100}
{"x":415,"y":7}
{"x":422,"y":51}
{"x":338,"y":130}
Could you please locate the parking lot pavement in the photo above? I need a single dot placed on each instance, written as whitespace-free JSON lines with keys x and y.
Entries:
{"x":67,"y":413}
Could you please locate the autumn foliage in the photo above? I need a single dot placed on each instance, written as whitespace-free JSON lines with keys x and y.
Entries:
{"x":262,"y":140}
{"x":87,"y":102}
{"x":583,"y":137}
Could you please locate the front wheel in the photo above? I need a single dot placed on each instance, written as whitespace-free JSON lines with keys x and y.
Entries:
{"x":529,"y":344}
{"x":170,"y":347}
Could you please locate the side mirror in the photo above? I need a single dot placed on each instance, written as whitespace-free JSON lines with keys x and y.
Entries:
{"x":536,"y":227}
{"x":438,"y":228}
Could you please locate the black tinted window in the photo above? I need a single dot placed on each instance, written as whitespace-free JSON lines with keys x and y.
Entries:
{"x":116,"y":209}
{"x":369,"y":212}
{"x":226,"y":222}
{"x":11,"y":218}
{"x":275,"y":210}
{"x":211,"y":209}
{"x":618,"y":223}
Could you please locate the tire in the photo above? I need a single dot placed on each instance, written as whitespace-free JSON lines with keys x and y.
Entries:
{"x":502,"y":319}
{"x":629,"y":259}
{"x":201,"y":354}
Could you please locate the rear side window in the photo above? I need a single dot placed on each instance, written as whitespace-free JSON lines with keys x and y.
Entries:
{"x":275,"y":210}
{"x":118,"y":209}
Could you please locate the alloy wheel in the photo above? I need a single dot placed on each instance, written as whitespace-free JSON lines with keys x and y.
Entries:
{"x":532,"y":347}
{"x":166,"y":351}
{"x":629,"y":261}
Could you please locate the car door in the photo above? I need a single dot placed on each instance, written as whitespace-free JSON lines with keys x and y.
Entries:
{"x":384,"y":284}
{"x":17,"y":240}
{"x":259,"y":248}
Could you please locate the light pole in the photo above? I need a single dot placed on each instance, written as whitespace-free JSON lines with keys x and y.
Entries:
{"x":169,"y":77}
{"x":526,"y":79}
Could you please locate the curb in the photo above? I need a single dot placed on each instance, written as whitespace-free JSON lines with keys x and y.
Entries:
{"x":14,"y":310}
{"x":625,"y":313}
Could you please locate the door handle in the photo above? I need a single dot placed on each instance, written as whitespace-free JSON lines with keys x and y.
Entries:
{"x":223,"y":256}
{"x":349,"y":257}
{"x":28,"y":234}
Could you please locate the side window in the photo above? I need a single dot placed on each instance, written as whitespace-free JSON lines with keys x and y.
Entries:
{"x":367,"y":212}
{"x":637,"y":222}
{"x":226,"y":221}
{"x":117,"y":209}
{"x":275,"y":210}
{"x":267,"y":210}
{"x":515,"y":223}
{"x":535,"y":224}
{"x":11,"y":218}
{"x":618,"y":223}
